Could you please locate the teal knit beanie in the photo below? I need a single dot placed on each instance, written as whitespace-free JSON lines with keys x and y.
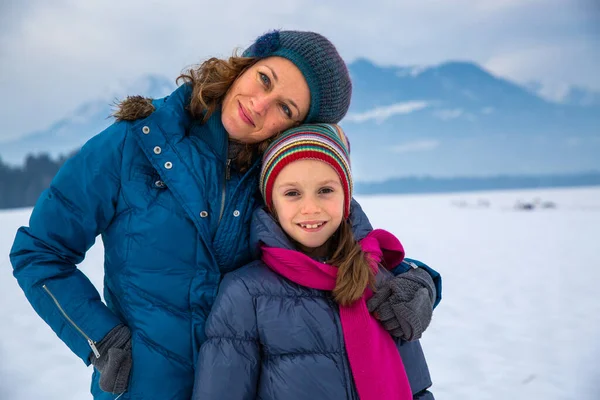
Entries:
{"x":320,"y":63}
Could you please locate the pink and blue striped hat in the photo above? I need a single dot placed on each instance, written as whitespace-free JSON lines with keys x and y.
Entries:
{"x":323,"y":142}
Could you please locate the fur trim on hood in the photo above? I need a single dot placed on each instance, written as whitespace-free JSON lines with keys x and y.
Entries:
{"x":133,"y":108}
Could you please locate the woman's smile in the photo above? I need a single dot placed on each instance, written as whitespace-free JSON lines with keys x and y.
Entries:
{"x":245,"y":115}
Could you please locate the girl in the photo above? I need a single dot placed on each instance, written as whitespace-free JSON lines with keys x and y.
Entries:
{"x":171,"y":187}
{"x":295,"y":325}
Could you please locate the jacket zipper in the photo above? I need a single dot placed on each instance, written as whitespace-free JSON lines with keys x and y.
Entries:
{"x":223,"y":191}
{"x":90,"y":341}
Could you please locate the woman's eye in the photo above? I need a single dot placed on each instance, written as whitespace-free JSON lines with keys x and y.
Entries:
{"x":286,"y":110}
{"x":266,"y":81}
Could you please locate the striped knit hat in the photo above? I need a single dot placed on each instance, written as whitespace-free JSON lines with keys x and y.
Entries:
{"x":322,"y":66}
{"x":323,"y":142}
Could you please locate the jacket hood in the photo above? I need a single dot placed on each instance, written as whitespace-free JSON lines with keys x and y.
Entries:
{"x":266,"y":230}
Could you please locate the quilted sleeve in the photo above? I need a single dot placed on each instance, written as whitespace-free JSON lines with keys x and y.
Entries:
{"x":64,"y":224}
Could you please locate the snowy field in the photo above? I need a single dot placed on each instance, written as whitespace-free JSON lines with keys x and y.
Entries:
{"x":519,"y":319}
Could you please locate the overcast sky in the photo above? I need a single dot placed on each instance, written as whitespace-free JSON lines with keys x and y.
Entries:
{"x":56,"y":54}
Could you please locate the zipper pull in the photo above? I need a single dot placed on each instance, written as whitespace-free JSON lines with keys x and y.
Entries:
{"x":94,"y":349}
{"x":227,"y":170}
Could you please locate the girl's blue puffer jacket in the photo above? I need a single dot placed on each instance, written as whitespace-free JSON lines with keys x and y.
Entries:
{"x":171,"y":224}
{"x":270,"y":339}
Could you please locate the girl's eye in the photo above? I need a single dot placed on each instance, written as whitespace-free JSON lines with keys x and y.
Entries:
{"x":266,"y":81}
{"x":292,"y":193}
{"x":326,"y":190}
{"x":286,"y":110}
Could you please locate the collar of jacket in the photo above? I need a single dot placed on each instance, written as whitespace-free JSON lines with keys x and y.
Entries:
{"x":171,"y":113}
{"x":212,"y":134}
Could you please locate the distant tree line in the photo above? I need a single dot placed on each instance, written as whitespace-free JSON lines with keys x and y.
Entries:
{"x":21,"y":186}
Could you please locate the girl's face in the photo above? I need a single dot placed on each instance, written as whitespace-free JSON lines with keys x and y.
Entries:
{"x":269,"y":97}
{"x":309,"y":201}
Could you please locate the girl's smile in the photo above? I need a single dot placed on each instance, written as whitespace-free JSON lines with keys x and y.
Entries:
{"x":312,"y":226}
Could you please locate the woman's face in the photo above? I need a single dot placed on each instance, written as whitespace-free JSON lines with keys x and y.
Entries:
{"x":308,"y":198}
{"x":268,"y":98}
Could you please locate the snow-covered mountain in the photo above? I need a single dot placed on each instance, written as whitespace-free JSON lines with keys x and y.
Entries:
{"x":458,"y":119}
{"x":446,"y":120}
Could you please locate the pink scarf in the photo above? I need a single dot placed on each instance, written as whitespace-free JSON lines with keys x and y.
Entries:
{"x":374,"y":359}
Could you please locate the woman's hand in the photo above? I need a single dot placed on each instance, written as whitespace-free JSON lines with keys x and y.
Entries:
{"x":404,"y":304}
{"x":114,"y":363}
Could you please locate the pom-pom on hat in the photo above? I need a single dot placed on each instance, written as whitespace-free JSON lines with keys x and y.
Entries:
{"x":323,"y":142}
{"x":320,"y":63}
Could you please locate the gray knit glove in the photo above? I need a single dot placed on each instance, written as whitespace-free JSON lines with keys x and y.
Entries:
{"x":115,"y":362}
{"x":404,"y":304}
